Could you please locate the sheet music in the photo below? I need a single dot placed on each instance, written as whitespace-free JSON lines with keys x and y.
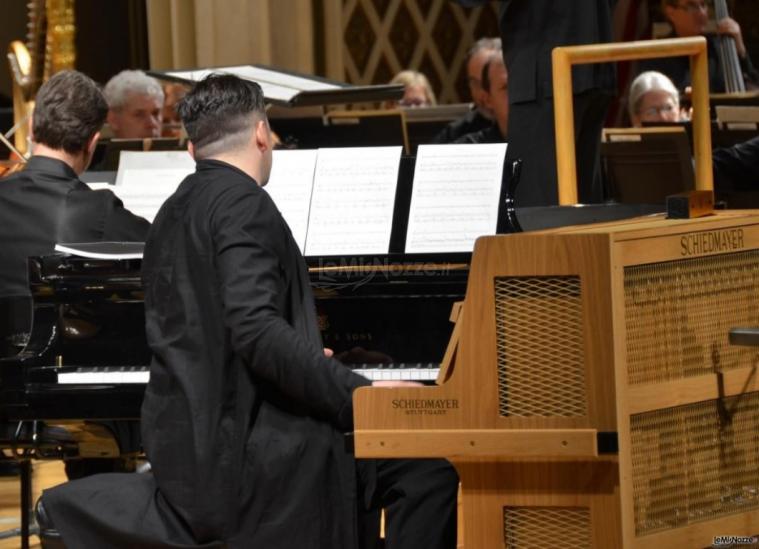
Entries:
{"x":290,"y":185}
{"x":455,"y":196}
{"x":352,"y":201}
{"x":274,"y":84}
{"x":146,"y":179}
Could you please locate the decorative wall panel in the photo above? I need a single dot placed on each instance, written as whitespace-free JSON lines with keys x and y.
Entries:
{"x":369,"y":41}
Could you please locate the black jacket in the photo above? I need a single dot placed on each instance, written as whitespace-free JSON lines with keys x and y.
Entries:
{"x":736,"y":168}
{"x":471,"y":122}
{"x":531,"y":29}
{"x":42,"y":205}
{"x":490,"y":134}
{"x":243,"y":418}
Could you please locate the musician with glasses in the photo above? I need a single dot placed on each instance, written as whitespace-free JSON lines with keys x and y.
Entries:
{"x":495,"y":81}
{"x":481,"y":116}
{"x":244,"y":416}
{"x":690,"y":18}
{"x":417,"y":91}
{"x":653,"y":98}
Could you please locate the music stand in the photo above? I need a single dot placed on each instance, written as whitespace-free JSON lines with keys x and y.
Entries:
{"x":735,"y":124}
{"x":647,"y":166}
{"x":109,"y":161}
{"x":376,"y":128}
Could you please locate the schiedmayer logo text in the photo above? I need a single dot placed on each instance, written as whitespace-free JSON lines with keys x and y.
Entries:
{"x":425,"y":406}
{"x":711,"y":242}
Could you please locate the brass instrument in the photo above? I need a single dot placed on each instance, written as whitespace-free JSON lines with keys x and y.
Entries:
{"x":49,"y":48}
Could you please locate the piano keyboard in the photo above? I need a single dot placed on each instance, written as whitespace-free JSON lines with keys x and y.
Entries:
{"x":141,"y":374}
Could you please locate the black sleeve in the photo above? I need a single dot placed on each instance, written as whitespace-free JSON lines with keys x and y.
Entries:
{"x":750,"y":73}
{"x":248,"y":247}
{"x":92,"y":216}
{"x":737,"y":167}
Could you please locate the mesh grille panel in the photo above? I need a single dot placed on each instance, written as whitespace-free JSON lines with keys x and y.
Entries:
{"x":678,"y":314}
{"x":540,"y":346}
{"x":696,"y":462}
{"x":541,"y":527}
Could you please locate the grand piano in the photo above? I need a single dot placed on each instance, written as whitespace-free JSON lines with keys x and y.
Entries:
{"x":87,"y":357}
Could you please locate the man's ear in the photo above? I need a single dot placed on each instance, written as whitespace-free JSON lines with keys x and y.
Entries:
{"x":191,"y":149}
{"x":111,"y":119}
{"x":262,"y":136}
{"x":92,"y":142}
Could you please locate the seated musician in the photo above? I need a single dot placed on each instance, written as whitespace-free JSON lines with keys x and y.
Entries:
{"x":244,"y":414}
{"x":481,"y":116}
{"x":417,"y":91}
{"x":690,"y":18}
{"x":135,"y":105}
{"x":495,"y":81}
{"x":46,"y":203}
{"x":653,"y":98}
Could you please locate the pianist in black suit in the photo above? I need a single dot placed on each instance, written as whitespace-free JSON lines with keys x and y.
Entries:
{"x":244,"y":416}
{"x":46,"y":203}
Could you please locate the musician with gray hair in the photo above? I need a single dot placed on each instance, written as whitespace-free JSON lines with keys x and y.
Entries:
{"x":135,"y":101}
{"x":653,"y":98}
{"x":481,"y":117}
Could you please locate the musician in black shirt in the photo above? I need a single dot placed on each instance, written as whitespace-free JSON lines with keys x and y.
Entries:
{"x":481,"y":116}
{"x":530,"y":29}
{"x":46,"y":203}
{"x":495,"y":81}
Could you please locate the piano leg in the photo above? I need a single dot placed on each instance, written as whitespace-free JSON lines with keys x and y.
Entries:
{"x":25,"y":466}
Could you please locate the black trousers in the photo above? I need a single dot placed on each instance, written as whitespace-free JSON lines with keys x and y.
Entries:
{"x":531,"y":138}
{"x":420,"y":501}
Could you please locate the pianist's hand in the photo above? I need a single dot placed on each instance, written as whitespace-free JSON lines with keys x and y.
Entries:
{"x":397,"y":384}
{"x":328,"y":352}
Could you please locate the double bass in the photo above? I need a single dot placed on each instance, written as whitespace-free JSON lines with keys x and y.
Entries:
{"x":728,"y":54}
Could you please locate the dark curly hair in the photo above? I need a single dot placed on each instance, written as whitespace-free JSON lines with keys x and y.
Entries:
{"x":69,"y":110}
{"x":220,"y":112}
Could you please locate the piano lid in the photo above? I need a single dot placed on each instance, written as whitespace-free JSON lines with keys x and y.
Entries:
{"x":291,"y":89}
